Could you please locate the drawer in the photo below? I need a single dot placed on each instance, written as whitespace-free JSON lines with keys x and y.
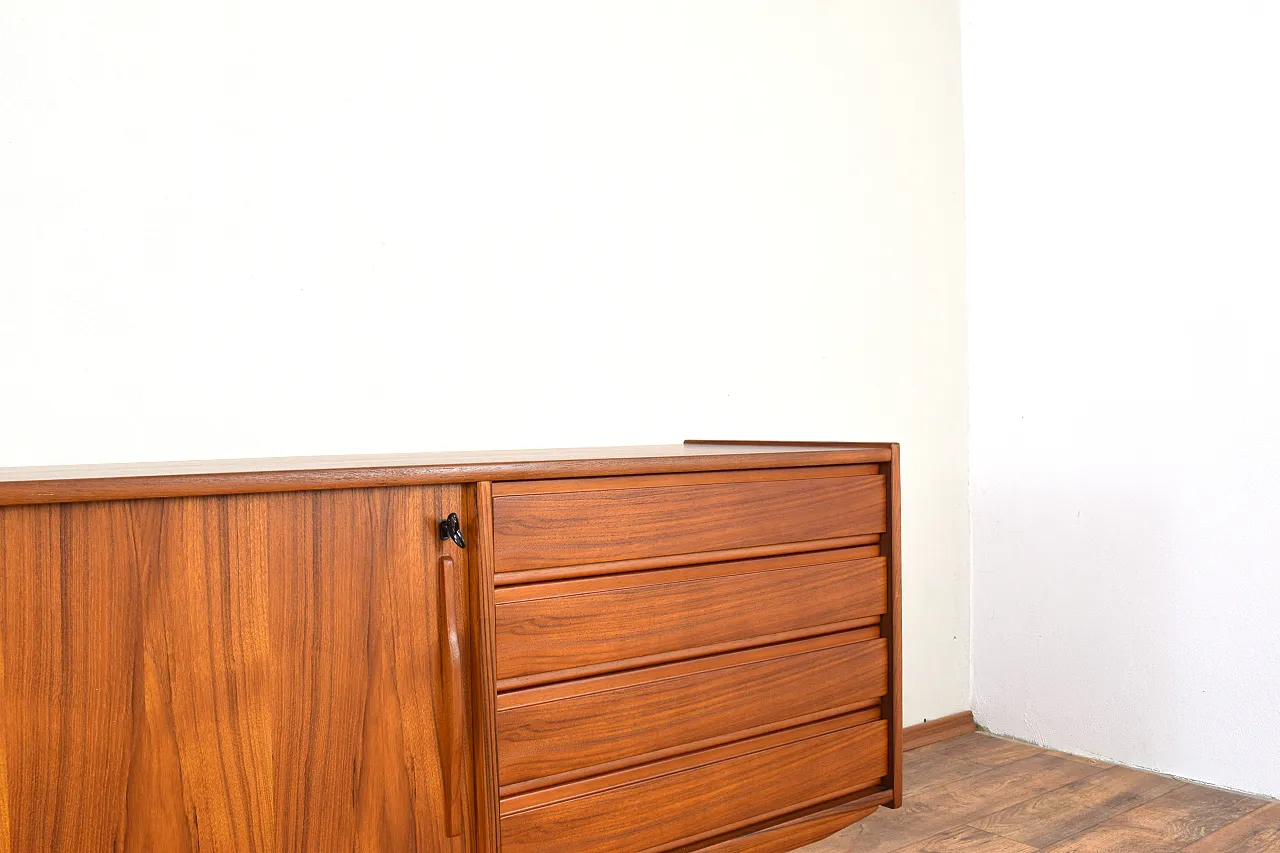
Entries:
{"x":682,"y":801}
{"x":544,"y":524}
{"x":642,"y":715}
{"x":589,"y":625}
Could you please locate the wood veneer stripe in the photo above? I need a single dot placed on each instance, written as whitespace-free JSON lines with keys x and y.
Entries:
{"x":550,"y":635}
{"x":484,"y":656}
{"x":664,"y":716}
{"x":4,"y":714}
{"x":729,"y":568}
{"x":72,"y":483}
{"x":737,"y":442}
{"x":797,"y":828}
{"x":858,"y":713}
{"x":597,"y":484}
{"x":870,"y":540}
{"x":767,"y":816}
{"x":891,"y":621}
{"x":665,"y":767}
{"x":506,"y":684}
{"x":703,"y":801}
{"x":615,"y":681}
{"x":544,"y":531}
{"x":777,"y":813}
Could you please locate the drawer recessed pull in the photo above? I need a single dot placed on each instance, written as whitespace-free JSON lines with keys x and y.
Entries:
{"x":451,"y":528}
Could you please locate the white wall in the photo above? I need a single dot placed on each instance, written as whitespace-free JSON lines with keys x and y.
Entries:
{"x":1123,"y":164}
{"x":244,"y":229}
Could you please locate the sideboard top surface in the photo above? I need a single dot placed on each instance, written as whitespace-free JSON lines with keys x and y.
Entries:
{"x":120,"y":481}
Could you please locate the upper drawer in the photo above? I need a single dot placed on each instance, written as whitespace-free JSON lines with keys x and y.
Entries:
{"x":542,"y":524}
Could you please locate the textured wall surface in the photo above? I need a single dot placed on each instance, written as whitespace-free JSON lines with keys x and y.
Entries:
{"x":1123,"y":281}
{"x":277,"y":228}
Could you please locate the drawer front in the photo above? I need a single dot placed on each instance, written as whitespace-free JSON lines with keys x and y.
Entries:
{"x":688,"y":805}
{"x":697,"y":610}
{"x":628,"y":717}
{"x":635,"y":521}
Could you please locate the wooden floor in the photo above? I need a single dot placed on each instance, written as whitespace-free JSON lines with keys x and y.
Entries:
{"x":980,"y":794}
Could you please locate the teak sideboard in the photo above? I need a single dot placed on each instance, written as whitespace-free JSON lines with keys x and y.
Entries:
{"x":617,"y":650}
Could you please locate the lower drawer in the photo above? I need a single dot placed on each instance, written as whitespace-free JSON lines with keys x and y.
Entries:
{"x":684,"y":800}
{"x":629,"y":717}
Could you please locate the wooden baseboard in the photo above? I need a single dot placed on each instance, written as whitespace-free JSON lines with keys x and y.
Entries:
{"x":932,"y":731}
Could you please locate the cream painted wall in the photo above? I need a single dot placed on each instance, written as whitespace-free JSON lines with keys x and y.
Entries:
{"x":1123,"y":164}
{"x":243,"y":229}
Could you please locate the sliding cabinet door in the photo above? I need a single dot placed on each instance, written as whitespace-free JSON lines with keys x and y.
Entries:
{"x":274,"y":672}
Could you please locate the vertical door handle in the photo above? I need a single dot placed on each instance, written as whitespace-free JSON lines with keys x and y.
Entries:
{"x":451,"y":724}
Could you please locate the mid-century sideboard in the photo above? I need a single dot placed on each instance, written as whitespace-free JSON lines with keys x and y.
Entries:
{"x":618,"y":650}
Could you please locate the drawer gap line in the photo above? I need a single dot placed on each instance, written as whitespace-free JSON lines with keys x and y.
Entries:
{"x":532,"y":785}
{"x":570,"y":587}
{"x":703,"y":836}
{"x":615,"y":681}
{"x":852,"y":801}
{"x":607,"y":483}
{"x":727,"y":752}
{"x":618,"y":567}
{"x":507,"y":685}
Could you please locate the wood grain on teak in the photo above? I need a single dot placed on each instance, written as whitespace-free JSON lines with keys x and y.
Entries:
{"x":354,"y":614}
{"x":134,"y":636}
{"x":693,"y":647}
{"x":70,"y":483}
{"x":702,"y":478}
{"x":986,"y":795}
{"x":665,"y":811}
{"x":484,"y":689}
{"x":868,"y":541}
{"x":551,"y":583}
{"x":246,"y":673}
{"x":637,"y":685}
{"x":699,"y":570}
{"x":658,"y":612}
{"x":792,"y":830}
{"x":633,"y":715}
{"x":623,"y":777}
{"x":534,"y":531}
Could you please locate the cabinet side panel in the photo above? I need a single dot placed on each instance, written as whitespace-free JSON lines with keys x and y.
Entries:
{"x":891,"y":623}
{"x":4,"y":712}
